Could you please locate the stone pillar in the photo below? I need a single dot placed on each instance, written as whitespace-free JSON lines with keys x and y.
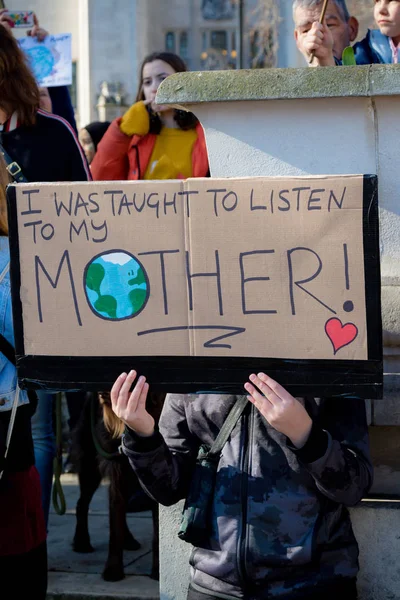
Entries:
{"x":288,"y":122}
{"x":107,"y":51}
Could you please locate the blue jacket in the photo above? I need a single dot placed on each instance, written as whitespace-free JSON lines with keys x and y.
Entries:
{"x":373,"y":49}
{"x":8,"y":373}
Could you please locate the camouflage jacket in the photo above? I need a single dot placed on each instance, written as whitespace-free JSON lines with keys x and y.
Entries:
{"x":280,"y":524}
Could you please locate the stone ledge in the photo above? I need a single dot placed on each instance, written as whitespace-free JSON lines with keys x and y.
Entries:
{"x":280,"y":84}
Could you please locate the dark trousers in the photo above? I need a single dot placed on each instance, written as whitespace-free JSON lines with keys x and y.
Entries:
{"x":25,"y":575}
{"x":75,"y":402}
{"x":345,"y":591}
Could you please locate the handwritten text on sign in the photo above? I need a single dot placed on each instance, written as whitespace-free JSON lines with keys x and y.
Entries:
{"x":266,"y":267}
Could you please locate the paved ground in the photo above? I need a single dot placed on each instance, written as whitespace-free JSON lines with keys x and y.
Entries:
{"x":75,"y":576}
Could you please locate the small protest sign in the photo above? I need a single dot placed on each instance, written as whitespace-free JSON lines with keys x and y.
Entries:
{"x":197,"y":283}
{"x":50,"y":60}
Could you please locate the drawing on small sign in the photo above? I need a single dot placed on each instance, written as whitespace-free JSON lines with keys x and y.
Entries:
{"x":340,"y":335}
{"x":116,"y":284}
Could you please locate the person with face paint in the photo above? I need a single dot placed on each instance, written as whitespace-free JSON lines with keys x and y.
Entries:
{"x":152,"y":141}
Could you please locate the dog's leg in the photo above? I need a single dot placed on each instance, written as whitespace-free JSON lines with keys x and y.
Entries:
{"x":89,"y":481}
{"x":130,"y":542}
{"x":114,"y":567}
{"x":155,"y":567}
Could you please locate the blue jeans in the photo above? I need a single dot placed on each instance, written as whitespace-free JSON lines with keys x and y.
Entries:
{"x":44,"y":445}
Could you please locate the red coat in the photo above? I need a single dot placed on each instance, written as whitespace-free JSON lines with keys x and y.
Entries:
{"x":121,"y":157}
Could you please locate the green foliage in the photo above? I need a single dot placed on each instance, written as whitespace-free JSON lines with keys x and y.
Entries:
{"x":348,"y":57}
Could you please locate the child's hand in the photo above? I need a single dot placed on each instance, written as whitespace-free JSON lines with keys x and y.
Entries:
{"x":5,"y":21}
{"x":38,"y":32}
{"x":131,"y":407}
{"x":282,"y":411}
{"x":319,"y":41}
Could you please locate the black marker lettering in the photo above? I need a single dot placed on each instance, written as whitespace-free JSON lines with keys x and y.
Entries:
{"x":191,"y":276}
{"x":346,"y":266}
{"x":225,"y":203}
{"x":156,"y":205}
{"x":187,"y":196}
{"x":252,"y":206}
{"x":96,"y":208}
{"x":163,"y":275}
{"x":245,"y":280}
{"x":33,"y":224}
{"x":30,"y":210}
{"x":312,"y":200}
{"x":333,"y":197}
{"x":299,"y":283}
{"x":141,"y":207}
{"x":47,"y":236}
{"x":38,"y":264}
{"x":101,"y":227}
{"x":124,"y":203}
{"x":216,"y":192}
{"x":61,"y":206}
{"x":113,"y":193}
{"x":170,"y":203}
{"x":81,"y":203}
{"x":78,"y":230}
{"x":286,"y":205}
{"x":299,"y":190}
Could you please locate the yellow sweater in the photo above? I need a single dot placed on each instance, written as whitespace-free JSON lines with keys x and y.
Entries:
{"x":172,"y":154}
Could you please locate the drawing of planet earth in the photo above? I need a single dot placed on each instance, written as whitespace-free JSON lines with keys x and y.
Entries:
{"x":116,"y":285}
{"x":41,"y":60}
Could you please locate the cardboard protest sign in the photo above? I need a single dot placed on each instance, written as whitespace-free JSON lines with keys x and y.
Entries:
{"x":198,"y":283}
{"x":50,"y":60}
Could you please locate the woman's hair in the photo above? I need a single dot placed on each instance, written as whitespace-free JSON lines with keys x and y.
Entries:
{"x":185,"y":120}
{"x":18,"y":89}
{"x":4,"y":181}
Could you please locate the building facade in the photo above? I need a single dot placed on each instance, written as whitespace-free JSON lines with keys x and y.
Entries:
{"x":111,"y":38}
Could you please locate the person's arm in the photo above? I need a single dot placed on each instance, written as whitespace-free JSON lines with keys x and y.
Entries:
{"x":333,"y":448}
{"x":337,"y":451}
{"x":62,"y":104}
{"x":163,"y":460}
{"x":111,"y":162}
{"x":76,"y":166}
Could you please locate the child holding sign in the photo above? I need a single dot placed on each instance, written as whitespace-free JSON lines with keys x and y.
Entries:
{"x":279,"y":527}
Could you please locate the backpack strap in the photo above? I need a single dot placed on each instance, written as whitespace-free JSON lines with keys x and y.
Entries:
{"x":228,"y":426}
{"x":12,"y":166}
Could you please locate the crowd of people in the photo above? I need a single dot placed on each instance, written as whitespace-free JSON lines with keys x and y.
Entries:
{"x":279,"y":526}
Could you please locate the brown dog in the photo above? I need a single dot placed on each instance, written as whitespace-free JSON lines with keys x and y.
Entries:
{"x":96,"y":442}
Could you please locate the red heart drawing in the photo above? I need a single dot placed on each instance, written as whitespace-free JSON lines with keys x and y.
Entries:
{"x":339,"y":334}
